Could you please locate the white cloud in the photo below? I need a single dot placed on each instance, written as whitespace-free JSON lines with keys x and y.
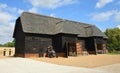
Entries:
{"x":7,"y":22}
{"x":20,"y":11}
{"x":52,"y":15}
{"x":6,"y":17}
{"x":2,"y":6}
{"x":104,"y":16}
{"x":117,"y":16}
{"x":7,"y":29}
{"x":102,"y":3}
{"x":34,"y":10}
{"x":11,"y":10}
{"x":118,"y":26}
{"x":52,"y":4}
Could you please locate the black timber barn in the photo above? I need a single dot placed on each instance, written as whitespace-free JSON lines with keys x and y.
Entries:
{"x":33,"y":33}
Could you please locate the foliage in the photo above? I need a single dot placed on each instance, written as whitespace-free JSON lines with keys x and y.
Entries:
{"x":8,"y":44}
{"x":114,"y":52}
{"x":1,"y":45}
{"x":113,"y":39}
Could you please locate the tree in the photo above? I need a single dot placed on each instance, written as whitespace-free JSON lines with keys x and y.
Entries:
{"x":113,"y":39}
{"x":1,"y":45}
{"x":9,"y":44}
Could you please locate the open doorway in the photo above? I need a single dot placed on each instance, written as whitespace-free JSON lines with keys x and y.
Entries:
{"x":72,"y":49}
{"x":9,"y":52}
{"x":99,"y":48}
{"x":4,"y":53}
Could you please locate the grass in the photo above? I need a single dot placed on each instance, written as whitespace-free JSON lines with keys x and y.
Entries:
{"x":114,"y":52}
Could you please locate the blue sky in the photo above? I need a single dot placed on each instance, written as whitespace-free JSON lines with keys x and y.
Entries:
{"x":101,"y":13}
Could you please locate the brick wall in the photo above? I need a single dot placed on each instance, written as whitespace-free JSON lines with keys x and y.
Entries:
{"x":7,"y":51}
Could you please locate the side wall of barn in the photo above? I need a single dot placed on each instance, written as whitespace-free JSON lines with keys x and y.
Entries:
{"x":90,"y":45}
{"x":19,"y":39}
{"x":61,"y":43}
{"x":100,"y":45}
{"x":36,"y":45}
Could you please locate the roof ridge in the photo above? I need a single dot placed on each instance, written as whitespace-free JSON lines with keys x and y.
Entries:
{"x":57,"y":18}
{"x":51,"y":25}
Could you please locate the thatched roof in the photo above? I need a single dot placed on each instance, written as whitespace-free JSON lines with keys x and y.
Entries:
{"x":41,"y":24}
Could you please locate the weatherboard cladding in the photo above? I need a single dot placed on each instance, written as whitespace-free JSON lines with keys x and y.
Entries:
{"x":40,"y":24}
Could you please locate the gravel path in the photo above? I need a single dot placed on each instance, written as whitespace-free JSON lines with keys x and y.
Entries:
{"x":114,"y":68}
{"x":88,"y":61}
{"x":23,"y":65}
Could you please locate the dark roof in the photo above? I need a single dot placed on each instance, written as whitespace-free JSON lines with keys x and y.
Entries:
{"x":41,"y":24}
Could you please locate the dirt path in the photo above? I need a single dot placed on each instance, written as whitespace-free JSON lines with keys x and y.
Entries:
{"x":2,"y":57}
{"x":89,"y":61}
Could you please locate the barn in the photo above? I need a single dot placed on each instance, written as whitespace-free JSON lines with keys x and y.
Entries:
{"x":33,"y":33}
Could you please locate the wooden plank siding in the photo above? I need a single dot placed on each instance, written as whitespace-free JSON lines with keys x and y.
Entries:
{"x":90,"y":45}
{"x":37,"y":44}
{"x":100,"y":45}
{"x":19,"y":39}
{"x":33,"y":33}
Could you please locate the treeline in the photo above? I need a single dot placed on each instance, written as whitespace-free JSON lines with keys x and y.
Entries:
{"x":113,"y":43}
{"x":8,"y":44}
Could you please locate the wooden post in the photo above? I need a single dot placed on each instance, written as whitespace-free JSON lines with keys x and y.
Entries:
{"x":95,"y":46}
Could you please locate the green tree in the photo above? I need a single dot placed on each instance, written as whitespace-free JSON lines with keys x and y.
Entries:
{"x":113,"y":39}
{"x":9,"y":44}
{"x":1,"y":45}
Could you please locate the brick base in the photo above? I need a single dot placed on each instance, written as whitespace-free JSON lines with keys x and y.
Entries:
{"x":26,"y":55}
{"x":19,"y":55}
{"x":31,"y":55}
{"x":37,"y":55}
{"x":61,"y":54}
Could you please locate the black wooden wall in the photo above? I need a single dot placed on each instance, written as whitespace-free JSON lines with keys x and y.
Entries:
{"x":19,"y":38}
{"x":61,"y":40}
{"x":90,"y":45}
{"x":99,"y":40}
{"x":66,"y":40}
{"x":36,"y":43}
{"x":57,"y":43}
